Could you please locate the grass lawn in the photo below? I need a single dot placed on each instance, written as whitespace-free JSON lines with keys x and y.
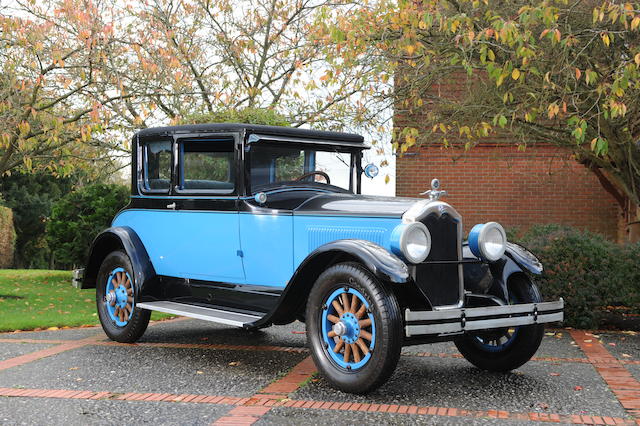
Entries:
{"x":31,"y":299}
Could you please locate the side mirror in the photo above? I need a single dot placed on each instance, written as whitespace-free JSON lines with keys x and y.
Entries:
{"x":371,"y":170}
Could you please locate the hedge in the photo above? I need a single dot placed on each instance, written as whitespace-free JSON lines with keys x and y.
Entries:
{"x":7,"y":237}
{"x":592,"y":274}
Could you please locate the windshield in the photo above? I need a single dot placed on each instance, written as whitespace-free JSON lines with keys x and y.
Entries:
{"x":274,"y":165}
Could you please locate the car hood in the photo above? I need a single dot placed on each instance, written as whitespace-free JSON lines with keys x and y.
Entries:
{"x":355,"y":205}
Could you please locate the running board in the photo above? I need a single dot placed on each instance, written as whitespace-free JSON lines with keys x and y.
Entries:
{"x":208,"y":314}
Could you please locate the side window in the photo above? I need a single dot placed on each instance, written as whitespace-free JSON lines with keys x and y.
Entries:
{"x":289,"y":167}
{"x":157,"y":166}
{"x":207,"y":166}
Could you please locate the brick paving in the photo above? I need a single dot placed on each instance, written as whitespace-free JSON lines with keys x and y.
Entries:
{"x":250,"y":409}
{"x":625,"y":387}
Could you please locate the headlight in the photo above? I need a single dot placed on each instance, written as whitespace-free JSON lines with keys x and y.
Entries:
{"x":412,"y":241}
{"x":488,"y":241}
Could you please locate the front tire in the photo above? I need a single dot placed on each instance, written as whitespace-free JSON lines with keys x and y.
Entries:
{"x":119,"y":316}
{"x":504,"y":350}
{"x":354,"y":328}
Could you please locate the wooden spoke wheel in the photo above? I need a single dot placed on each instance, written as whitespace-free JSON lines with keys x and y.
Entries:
{"x":354,"y":328}
{"x":348,"y":328}
{"x":119,"y":297}
{"x":116,"y":299}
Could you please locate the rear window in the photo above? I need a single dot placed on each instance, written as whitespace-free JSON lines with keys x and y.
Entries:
{"x":157,"y":166}
{"x":207,"y":166}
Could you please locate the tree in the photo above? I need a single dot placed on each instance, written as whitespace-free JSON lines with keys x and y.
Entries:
{"x":51,"y":69}
{"x":559,"y":71}
{"x":202,"y":56}
{"x":78,"y":76}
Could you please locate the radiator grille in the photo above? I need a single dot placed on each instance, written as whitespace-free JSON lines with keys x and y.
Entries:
{"x":441,"y":282}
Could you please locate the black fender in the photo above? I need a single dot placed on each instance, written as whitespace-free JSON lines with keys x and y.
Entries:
{"x":386,"y":266}
{"x":120,"y":238}
{"x":515,"y":260}
{"x":524,"y":258}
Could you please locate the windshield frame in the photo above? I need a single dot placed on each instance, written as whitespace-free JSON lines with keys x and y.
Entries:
{"x":355,"y":169}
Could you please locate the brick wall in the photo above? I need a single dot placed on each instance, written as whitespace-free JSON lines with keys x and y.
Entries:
{"x":516,"y":188}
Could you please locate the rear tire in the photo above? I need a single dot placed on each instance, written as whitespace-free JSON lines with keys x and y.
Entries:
{"x":523,"y":341}
{"x":119,"y":315}
{"x":350,"y":295}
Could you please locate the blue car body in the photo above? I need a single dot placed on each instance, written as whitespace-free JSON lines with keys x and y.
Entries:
{"x":238,"y":244}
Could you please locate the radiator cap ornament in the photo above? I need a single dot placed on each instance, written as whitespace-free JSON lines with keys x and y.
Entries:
{"x":434,"y":193}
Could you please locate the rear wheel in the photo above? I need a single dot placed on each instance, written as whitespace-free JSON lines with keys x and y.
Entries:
{"x":505,"y":349}
{"x":121,"y":319}
{"x":354,"y":328}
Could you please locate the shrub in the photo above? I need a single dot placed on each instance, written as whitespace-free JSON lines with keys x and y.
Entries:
{"x":588,"y":271}
{"x":263,"y":116}
{"x":31,"y":197}
{"x":79,"y":216}
{"x":7,"y":237}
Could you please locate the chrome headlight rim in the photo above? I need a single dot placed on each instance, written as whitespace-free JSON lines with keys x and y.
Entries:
{"x":403,"y":233}
{"x":478,"y":237}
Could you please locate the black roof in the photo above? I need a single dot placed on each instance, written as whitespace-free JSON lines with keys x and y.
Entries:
{"x":291,"y":132}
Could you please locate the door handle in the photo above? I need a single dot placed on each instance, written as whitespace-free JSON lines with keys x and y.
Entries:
{"x":171,"y":206}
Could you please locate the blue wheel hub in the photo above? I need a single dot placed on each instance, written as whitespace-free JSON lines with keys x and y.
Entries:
{"x":497,"y":340}
{"x":348,"y":328}
{"x":352,"y":330}
{"x":118,"y":298}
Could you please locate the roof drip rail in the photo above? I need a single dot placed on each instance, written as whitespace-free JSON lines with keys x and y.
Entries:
{"x":255,"y":137}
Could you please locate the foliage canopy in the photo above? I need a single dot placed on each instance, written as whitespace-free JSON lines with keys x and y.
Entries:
{"x":76,"y":75}
{"x":558,"y":71}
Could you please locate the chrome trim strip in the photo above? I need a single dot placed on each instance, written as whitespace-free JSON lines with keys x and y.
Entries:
{"x":415,"y":330}
{"x":483,"y":311}
{"x":423,"y":208}
{"x":536,"y":313}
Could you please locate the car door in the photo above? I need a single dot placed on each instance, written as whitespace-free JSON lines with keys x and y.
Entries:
{"x":190,"y":228}
{"x":266,"y":229}
{"x":205,"y":232}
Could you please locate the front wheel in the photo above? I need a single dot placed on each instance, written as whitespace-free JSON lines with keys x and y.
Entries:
{"x":121,"y":319}
{"x":505,"y":349}
{"x":354,"y":328}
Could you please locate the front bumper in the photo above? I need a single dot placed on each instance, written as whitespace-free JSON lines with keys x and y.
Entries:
{"x":455,"y":321}
{"x":78,"y":276}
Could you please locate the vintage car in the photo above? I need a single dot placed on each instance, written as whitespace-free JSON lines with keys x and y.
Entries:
{"x":251,"y":226}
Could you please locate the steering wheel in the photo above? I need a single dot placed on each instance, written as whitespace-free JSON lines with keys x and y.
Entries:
{"x":315,"y":172}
